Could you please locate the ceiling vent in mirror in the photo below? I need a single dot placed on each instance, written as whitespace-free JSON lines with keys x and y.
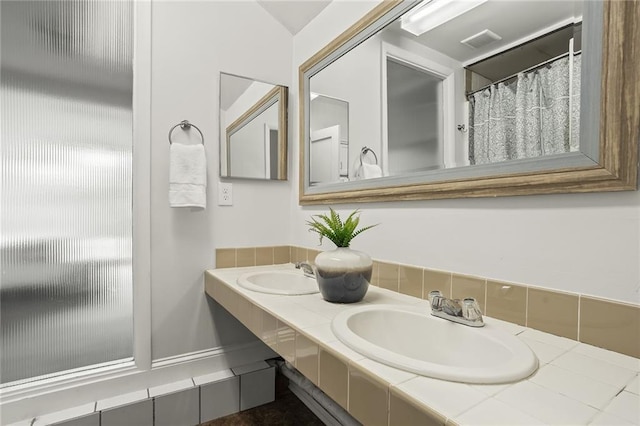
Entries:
{"x":483,"y":38}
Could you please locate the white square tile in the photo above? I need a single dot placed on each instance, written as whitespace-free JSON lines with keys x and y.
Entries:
{"x":596,"y":369}
{"x":62,"y":415}
{"x":322,"y":307}
{"x":302,"y":317}
{"x":220,"y":398}
{"x":448,"y":398}
{"x":575,"y":386}
{"x":544,"y":351}
{"x":245,"y":293}
{"x":26,"y":422}
{"x":627,"y":406}
{"x":321,"y":333}
{"x":257,"y":388}
{"x":305,"y":299}
{"x":546,"y":405}
{"x":621,"y":360}
{"x":127,"y":398}
{"x":606,"y":419}
{"x":249,"y":368}
{"x":213,"y":377}
{"x":223,"y":274}
{"x":177,"y":408}
{"x":138,"y":414}
{"x":494,"y":412}
{"x":386,"y":373}
{"x":92,"y":419}
{"x":170,"y":387}
{"x":343,"y":349}
{"x":509,"y":327}
{"x":561,"y":342}
{"x":276,"y":306}
{"x":490,"y":390}
{"x":634,"y":386}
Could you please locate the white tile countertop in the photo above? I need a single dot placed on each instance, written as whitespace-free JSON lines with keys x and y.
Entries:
{"x":575,"y":384}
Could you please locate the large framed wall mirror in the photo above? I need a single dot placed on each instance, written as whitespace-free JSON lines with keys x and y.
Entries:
{"x":439,"y":99}
{"x":253,"y":129}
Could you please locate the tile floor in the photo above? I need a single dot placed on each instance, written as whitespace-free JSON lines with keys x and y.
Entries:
{"x":286,"y":410}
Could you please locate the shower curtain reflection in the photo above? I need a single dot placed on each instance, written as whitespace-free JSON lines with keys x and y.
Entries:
{"x":534,"y":115}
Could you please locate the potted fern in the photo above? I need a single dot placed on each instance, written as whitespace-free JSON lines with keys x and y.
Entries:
{"x":343,"y":274}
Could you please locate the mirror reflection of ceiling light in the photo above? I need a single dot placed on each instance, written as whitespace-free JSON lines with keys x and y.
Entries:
{"x":433,"y":13}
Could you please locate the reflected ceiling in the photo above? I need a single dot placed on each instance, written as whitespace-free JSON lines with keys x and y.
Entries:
{"x":490,"y":16}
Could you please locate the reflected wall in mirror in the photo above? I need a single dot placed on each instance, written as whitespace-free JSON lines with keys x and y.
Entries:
{"x":253,"y":127}
{"x":498,"y":104}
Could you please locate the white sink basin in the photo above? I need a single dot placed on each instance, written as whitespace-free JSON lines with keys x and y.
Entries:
{"x":290,"y":283}
{"x":410,"y":339}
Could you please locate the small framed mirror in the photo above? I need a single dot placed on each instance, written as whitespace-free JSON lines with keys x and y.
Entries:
{"x":253,"y":128}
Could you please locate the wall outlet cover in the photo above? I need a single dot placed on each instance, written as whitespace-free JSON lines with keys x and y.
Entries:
{"x":225,"y":194}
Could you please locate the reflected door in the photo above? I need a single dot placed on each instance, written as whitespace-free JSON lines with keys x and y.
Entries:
{"x":415,"y":118}
{"x":325,"y":155}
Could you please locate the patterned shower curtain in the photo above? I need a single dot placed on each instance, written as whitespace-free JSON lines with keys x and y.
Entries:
{"x":528,"y":117}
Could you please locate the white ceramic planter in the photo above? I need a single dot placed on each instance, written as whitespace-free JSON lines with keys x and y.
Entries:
{"x":343,"y":274}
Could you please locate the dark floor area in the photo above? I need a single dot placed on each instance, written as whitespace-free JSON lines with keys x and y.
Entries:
{"x":286,"y":410}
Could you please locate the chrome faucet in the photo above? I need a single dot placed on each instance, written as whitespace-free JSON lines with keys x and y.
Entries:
{"x":465,"y":311}
{"x":307,"y":268}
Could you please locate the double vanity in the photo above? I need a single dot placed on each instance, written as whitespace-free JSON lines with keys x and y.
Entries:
{"x":387,"y":360}
{"x":409,"y":339}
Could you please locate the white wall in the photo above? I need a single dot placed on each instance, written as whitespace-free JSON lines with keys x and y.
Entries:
{"x":192,"y":42}
{"x":587,"y":243}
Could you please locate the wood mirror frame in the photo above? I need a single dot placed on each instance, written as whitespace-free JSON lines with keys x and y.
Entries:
{"x":617,"y":168}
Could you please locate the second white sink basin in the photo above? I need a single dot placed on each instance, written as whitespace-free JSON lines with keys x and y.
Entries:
{"x":289,"y":283}
{"x":411,"y":339}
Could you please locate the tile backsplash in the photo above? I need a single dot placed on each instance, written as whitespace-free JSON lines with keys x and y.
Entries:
{"x":254,"y":256}
{"x":605,"y":323}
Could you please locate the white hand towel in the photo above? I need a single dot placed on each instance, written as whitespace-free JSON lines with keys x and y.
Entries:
{"x":187,"y":176}
{"x":370,"y":171}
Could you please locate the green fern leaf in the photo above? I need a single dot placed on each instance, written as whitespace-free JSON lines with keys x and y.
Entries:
{"x":332,"y":227}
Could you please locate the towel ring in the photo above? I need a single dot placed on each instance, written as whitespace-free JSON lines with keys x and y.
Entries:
{"x":364,"y":152}
{"x":185,"y":125}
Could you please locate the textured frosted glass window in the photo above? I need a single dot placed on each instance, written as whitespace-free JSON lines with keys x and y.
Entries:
{"x":65,"y":200}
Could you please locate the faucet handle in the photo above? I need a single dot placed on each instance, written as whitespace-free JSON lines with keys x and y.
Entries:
{"x":471,"y":309}
{"x":435,"y":299}
{"x":306,"y":267}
